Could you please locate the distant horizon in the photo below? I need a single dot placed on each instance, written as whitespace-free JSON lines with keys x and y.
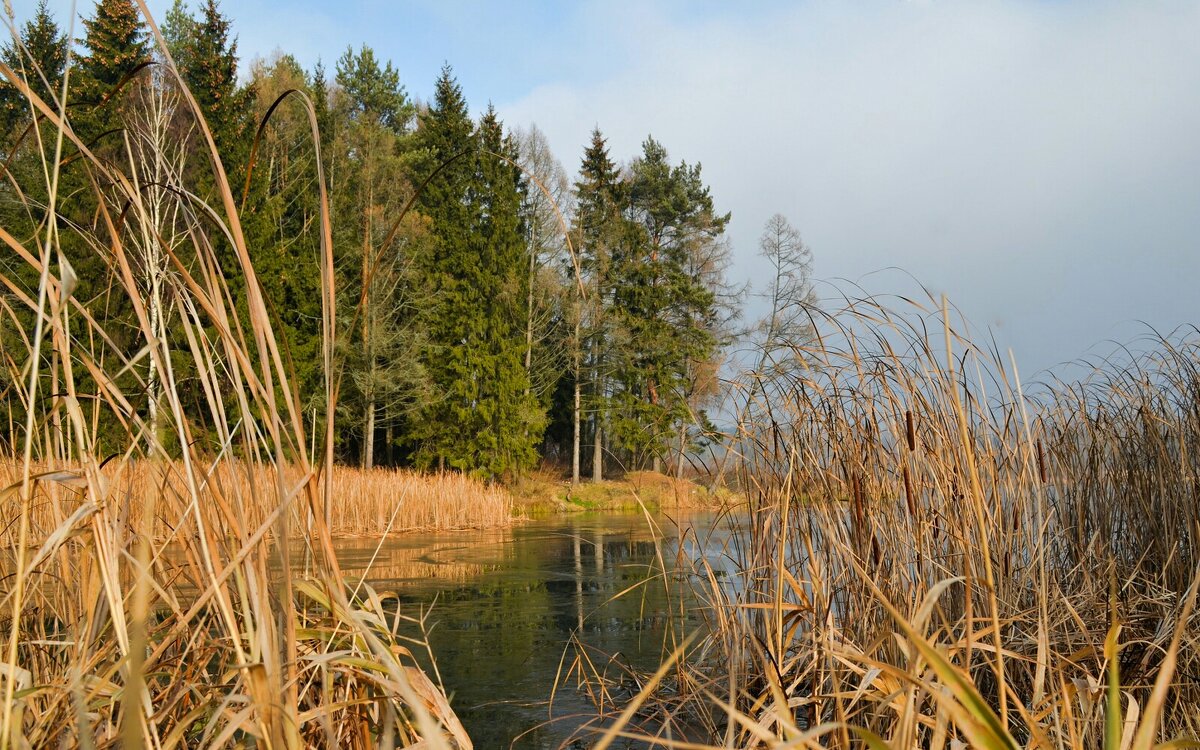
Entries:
{"x":1035,"y":162}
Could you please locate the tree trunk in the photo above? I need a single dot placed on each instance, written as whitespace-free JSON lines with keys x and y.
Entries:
{"x":388,"y":457}
{"x":529,"y":314}
{"x":575,"y":418}
{"x":598,"y":444}
{"x":575,"y":441}
{"x":368,"y":461}
{"x":682,"y":450}
{"x":598,"y":452}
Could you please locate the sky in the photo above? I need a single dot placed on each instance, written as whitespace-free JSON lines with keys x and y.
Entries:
{"x":1036,"y":162}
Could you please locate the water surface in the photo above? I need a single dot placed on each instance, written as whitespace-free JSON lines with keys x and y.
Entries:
{"x":501,"y":607}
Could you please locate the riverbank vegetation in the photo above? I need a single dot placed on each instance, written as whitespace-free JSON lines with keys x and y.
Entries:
{"x":152,"y":595}
{"x":940,"y":555}
{"x":545,"y":492}
{"x":375,"y":502}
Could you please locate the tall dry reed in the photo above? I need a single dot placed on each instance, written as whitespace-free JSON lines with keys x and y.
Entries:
{"x":137,"y":606}
{"x":939,"y":556}
{"x":373,"y":502}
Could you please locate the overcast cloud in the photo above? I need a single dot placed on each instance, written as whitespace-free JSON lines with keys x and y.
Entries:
{"x":1037,"y":163}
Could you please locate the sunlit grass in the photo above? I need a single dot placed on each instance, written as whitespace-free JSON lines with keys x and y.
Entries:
{"x":142,"y":517}
{"x":939,"y":556}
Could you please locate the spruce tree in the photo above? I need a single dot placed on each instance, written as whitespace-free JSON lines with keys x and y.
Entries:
{"x":208,"y":66}
{"x":482,"y":418}
{"x":598,"y":224}
{"x":516,"y":420}
{"x":40,"y":59}
{"x":446,"y":133}
{"x":117,"y":45}
{"x":318,"y":92}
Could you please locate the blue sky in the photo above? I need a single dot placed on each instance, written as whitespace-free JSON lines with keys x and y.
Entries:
{"x":1038,"y":162}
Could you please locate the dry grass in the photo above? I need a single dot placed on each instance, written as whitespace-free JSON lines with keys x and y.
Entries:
{"x":368,"y":500}
{"x":374,"y":502}
{"x":138,"y":605}
{"x":937,"y":558}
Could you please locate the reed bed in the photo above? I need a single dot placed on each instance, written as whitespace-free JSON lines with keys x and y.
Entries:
{"x":138,"y":607}
{"x":940,"y":556}
{"x":381,"y":500}
{"x":366,"y":502}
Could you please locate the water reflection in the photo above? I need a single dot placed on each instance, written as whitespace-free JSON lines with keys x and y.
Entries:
{"x":505,"y":603}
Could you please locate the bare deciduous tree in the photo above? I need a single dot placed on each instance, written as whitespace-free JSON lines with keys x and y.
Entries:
{"x":156,"y":145}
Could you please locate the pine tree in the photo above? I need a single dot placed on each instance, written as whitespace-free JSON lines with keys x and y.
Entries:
{"x":385,"y":376}
{"x":665,"y":300}
{"x":178,"y":28}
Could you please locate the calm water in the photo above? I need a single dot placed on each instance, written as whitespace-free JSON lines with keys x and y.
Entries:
{"x":501,"y":608}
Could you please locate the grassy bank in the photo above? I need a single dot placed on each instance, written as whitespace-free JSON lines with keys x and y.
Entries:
{"x":545,"y":493}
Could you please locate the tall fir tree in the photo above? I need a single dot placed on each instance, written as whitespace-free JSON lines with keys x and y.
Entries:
{"x":482,"y":417}
{"x":513,"y":416}
{"x":446,"y":134}
{"x":37,"y":57}
{"x":598,"y":224}
{"x":209,"y":68}
{"x":116,"y":41}
{"x":40,"y":58}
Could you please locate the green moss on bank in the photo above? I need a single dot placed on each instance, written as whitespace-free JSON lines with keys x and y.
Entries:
{"x":543,"y":494}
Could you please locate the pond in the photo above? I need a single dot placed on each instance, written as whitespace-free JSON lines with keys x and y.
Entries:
{"x":502,"y":608}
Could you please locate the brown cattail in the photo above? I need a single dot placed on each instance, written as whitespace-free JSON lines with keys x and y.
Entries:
{"x":910,"y":428}
{"x":908,"y":493}
{"x":859,"y":517}
{"x":1041,"y":461}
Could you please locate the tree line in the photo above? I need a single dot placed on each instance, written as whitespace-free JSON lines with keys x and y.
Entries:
{"x":494,"y":312}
